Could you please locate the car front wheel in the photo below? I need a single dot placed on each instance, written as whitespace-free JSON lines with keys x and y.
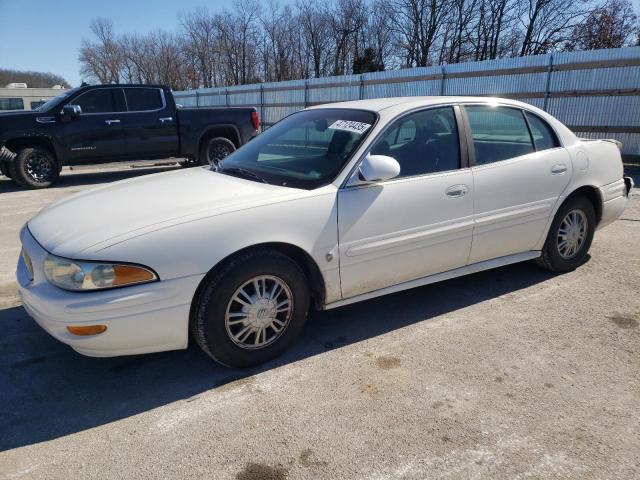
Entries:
{"x":570,"y":236}
{"x":251,"y":309}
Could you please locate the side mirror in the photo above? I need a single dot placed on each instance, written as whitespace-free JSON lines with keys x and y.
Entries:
{"x":376,"y":168}
{"x":69,"y":112}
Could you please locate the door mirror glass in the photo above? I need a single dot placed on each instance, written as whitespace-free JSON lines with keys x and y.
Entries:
{"x":69,"y":112}
{"x":376,"y":168}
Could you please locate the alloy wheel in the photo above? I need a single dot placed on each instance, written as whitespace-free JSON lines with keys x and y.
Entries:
{"x":572,"y":234}
{"x":39,"y":167}
{"x":258,"y":312}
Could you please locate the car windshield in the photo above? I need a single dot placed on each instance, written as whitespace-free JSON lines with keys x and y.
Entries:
{"x":305,"y":150}
{"x":55,"y":101}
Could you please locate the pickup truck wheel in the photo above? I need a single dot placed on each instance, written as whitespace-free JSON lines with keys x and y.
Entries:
{"x":216,"y":149}
{"x":35,"y":167}
{"x":251,"y":309}
{"x":570,"y":236}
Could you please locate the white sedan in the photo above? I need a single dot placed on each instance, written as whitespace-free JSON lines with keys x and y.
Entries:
{"x":333,"y":205}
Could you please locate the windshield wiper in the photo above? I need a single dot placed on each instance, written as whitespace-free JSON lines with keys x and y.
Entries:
{"x":242,"y":172}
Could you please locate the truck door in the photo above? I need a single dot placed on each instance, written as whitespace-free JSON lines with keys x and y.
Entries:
{"x":96,"y":134}
{"x":150,"y":127}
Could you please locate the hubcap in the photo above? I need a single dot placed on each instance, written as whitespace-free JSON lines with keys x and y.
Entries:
{"x":572,"y":234}
{"x":217,"y":152}
{"x":39,"y":167}
{"x":259,"y":312}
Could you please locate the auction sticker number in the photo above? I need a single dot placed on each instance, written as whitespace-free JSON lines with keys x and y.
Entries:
{"x":350,"y":126}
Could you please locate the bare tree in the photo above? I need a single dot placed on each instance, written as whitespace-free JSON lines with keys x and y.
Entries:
{"x":102,"y":59}
{"x":418,"y":23}
{"x":548,"y":23}
{"x":314,"y":22}
{"x":611,"y":26}
{"x":275,"y":41}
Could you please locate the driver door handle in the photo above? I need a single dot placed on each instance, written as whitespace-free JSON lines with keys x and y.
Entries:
{"x":165,"y":119}
{"x":456,"y":191}
{"x":111,"y":122}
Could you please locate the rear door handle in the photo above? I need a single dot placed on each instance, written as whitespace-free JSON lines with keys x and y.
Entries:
{"x":558,"y":169}
{"x":111,"y":122}
{"x":456,"y":191}
{"x":165,"y":119}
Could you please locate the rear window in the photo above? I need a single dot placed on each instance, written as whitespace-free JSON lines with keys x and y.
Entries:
{"x":141,"y":99}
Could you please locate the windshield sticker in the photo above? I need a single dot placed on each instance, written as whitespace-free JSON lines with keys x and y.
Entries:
{"x":350,"y":126}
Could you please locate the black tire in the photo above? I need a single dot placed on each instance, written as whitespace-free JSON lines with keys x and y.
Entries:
{"x":214,"y":150}
{"x":551,"y":257}
{"x":208,"y":325}
{"x":35,"y":167}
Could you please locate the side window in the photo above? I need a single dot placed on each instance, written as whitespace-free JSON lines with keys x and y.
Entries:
{"x":498,"y":133}
{"x":99,"y":100}
{"x":543,"y":137}
{"x":141,"y":99}
{"x":423,"y":142}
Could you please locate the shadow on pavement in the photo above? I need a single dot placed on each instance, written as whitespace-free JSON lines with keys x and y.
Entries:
{"x":49,"y":391}
{"x":90,"y":176}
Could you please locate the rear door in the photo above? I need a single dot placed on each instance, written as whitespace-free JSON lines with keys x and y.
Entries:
{"x":519,"y":171}
{"x":150,"y":127}
{"x":97,"y":133}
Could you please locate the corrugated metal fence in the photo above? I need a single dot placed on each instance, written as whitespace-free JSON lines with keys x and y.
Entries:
{"x":596,"y":93}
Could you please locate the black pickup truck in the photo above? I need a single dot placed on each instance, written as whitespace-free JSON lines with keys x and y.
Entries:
{"x":106,"y":123}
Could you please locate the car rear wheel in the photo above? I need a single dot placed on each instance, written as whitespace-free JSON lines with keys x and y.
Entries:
{"x":570,"y":236}
{"x":35,"y":167}
{"x":251,"y":309}
{"x":214,"y":150}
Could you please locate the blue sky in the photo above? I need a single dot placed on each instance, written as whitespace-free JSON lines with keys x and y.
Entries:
{"x":45,"y":35}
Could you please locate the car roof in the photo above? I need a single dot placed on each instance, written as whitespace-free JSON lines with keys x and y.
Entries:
{"x":379,"y":104}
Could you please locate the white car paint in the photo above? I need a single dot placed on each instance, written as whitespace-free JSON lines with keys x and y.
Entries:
{"x":366,"y":240}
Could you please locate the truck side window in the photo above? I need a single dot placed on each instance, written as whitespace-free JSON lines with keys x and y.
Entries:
{"x":143,"y":99}
{"x":99,"y":100}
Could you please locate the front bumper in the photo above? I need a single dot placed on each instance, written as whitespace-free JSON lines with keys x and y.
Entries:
{"x":140,"y":319}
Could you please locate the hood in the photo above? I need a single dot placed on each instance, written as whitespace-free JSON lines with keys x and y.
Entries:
{"x":98,"y":218}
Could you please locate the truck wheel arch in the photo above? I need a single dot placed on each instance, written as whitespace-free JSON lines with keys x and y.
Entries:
{"x":226,"y":130}
{"x":17,"y":144}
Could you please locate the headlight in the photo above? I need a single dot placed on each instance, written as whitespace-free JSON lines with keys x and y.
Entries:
{"x":79,"y":276}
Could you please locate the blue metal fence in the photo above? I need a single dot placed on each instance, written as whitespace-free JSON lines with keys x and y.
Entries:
{"x":596,"y":93}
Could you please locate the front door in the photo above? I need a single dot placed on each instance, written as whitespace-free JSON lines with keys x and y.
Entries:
{"x":520,"y":171}
{"x":417,"y":224}
{"x":97,"y":133}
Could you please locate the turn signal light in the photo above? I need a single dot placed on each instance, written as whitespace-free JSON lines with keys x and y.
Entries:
{"x":126,"y":274}
{"x":87,"y":330}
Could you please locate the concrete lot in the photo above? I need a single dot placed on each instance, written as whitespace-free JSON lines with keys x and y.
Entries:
{"x":512,"y":373}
